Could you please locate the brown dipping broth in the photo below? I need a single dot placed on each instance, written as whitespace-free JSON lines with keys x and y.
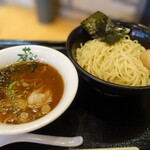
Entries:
{"x":28,"y":91}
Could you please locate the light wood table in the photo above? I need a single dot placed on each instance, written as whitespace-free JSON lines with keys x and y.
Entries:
{"x":17,"y":23}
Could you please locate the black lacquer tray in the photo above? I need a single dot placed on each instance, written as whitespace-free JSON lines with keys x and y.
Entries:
{"x":102,"y":120}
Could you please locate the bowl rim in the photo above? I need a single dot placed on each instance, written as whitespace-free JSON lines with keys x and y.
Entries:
{"x":70,"y":91}
{"x":69,"y":53}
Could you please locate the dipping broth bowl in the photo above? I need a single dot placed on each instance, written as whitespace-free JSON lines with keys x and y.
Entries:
{"x":69,"y":75}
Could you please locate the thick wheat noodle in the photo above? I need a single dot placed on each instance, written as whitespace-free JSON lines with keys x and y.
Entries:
{"x":119,"y":63}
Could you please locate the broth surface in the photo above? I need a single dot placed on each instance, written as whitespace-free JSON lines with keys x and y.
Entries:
{"x":28,"y":91}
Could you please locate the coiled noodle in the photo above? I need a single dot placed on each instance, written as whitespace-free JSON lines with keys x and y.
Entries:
{"x":119,"y":63}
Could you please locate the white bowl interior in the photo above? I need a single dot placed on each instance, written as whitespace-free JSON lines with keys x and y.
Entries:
{"x":65,"y":68}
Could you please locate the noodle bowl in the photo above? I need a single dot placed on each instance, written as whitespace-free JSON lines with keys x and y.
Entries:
{"x":139,"y":40}
{"x":119,"y":63}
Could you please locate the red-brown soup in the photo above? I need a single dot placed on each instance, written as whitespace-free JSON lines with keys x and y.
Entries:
{"x":28,"y":91}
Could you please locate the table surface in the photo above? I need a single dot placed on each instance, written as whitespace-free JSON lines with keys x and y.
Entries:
{"x":102,"y":121}
{"x":19,"y":23}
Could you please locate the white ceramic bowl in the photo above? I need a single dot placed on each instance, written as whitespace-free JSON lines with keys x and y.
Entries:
{"x":66,"y":69}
